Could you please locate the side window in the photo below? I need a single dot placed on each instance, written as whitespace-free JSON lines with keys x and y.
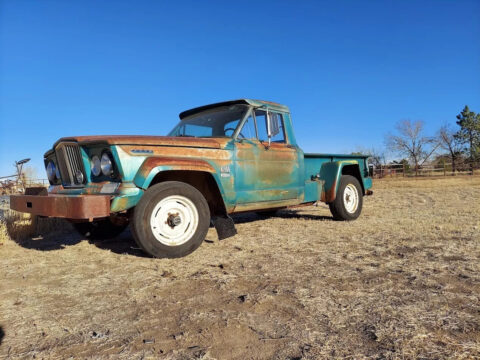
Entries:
{"x":277,"y":123}
{"x":261,"y":117}
{"x":248,"y":130}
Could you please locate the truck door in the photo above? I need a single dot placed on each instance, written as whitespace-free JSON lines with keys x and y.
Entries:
{"x":265,"y":173}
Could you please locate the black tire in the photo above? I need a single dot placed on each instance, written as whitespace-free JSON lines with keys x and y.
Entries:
{"x":100,"y":230}
{"x":142,"y":230}
{"x":338,"y":207}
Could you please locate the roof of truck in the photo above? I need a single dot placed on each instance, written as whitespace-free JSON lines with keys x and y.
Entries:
{"x":256,"y":103}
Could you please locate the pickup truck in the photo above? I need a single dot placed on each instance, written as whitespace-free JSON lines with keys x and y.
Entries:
{"x":220,"y":159}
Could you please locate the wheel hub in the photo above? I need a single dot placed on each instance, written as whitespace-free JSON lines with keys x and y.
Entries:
{"x":173,"y":220}
{"x":350,"y":198}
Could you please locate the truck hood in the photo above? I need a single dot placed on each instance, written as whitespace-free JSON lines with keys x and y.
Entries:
{"x":214,"y":143}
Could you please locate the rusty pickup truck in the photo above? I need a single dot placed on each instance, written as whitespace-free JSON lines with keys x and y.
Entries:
{"x":220,"y":159}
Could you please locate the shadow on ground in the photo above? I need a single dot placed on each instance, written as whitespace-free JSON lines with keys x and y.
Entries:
{"x":285,"y":214}
{"x":2,"y":335}
{"x":124,"y":243}
{"x":57,"y":240}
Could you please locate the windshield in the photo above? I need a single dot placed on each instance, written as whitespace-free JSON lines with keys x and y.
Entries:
{"x":218,"y":122}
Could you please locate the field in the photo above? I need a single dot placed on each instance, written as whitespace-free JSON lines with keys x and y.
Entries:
{"x":403,"y":281}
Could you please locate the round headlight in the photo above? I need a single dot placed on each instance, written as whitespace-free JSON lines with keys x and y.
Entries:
{"x":95,"y":165}
{"x":51,"y":171}
{"x":79,"y":176}
{"x":106,"y":164}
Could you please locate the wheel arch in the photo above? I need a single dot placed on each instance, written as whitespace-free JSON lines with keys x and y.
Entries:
{"x":331,"y":172}
{"x":203,"y":181}
{"x":354,"y":170}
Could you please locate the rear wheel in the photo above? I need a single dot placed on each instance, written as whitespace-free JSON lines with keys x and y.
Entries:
{"x":349,"y":200}
{"x":170,"y":220}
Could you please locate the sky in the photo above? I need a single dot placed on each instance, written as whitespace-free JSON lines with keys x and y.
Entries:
{"x":348,"y":70}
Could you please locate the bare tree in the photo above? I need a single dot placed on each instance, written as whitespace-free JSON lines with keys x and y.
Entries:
{"x":451,"y":143}
{"x":411,"y":142}
{"x":376,"y":156}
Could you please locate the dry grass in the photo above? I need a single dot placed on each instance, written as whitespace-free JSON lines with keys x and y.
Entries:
{"x":21,"y":226}
{"x":403,"y":281}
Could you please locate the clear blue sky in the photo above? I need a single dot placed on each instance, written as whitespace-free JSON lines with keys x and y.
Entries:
{"x":348,"y":70}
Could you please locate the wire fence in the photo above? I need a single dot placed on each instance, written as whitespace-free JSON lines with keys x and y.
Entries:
{"x":37,"y":182}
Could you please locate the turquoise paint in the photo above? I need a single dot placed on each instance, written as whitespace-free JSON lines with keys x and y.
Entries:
{"x":144,"y":182}
{"x":128,"y":165}
{"x":127,"y":200}
{"x":313,"y":190}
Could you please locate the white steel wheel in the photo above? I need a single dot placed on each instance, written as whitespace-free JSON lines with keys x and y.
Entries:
{"x":174,"y":220}
{"x":350,"y":198}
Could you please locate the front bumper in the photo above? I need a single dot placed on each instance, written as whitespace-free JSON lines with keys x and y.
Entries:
{"x":64,"y":206}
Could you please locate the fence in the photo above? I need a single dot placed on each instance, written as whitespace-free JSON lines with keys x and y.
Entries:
{"x":37,"y":182}
{"x":440,"y":169}
{"x":12,"y":187}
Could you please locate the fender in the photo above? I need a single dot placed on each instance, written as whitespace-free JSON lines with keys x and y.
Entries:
{"x":153,"y":165}
{"x":330,"y":173}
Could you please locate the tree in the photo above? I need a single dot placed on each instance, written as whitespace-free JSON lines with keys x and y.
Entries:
{"x":412,"y":143}
{"x":449,"y":142}
{"x":376,"y":156}
{"x":469,"y":132}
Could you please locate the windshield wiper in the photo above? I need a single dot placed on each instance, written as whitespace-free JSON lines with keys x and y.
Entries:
{"x":185,"y":135}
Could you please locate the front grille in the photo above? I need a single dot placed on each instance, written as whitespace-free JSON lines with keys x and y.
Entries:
{"x":70,"y":161}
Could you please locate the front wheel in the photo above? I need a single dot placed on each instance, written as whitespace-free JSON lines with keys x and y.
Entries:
{"x":349,"y":200}
{"x":171,"y":220}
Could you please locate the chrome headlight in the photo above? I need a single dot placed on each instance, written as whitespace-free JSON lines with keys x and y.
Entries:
{"x":95,"y":165}
{"x":51,"y":171}
{"x":106,"y":164}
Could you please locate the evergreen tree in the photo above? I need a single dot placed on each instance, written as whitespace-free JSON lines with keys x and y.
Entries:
{"x":469,"y":133}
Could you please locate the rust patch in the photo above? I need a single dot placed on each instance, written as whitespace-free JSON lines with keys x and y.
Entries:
{"x":69,"y":207}
{"x":329,"y":195}
{"x":180,"y":163}
{"x":148,"y":140}
{"x":263,"y":205}
{"x":172,"y":151}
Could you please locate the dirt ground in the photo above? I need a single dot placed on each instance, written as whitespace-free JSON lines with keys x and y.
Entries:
{"x":403,"y":281}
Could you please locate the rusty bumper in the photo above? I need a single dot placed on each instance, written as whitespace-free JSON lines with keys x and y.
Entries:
{"x":63,"y":206}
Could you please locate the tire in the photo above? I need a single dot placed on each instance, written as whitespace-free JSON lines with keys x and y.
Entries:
{"x":100,"y":230}
{"x":349,"y":200}
{"x":171,"y":220}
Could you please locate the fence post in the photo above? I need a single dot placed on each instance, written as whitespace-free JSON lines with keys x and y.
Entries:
{"x":403,"y":168}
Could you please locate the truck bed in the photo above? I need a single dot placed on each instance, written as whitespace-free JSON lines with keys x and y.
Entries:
{"x":314,"y":161}
{"x":318,"y":167}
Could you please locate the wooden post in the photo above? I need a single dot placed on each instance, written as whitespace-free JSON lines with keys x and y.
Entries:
{"x":403,"y":167}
